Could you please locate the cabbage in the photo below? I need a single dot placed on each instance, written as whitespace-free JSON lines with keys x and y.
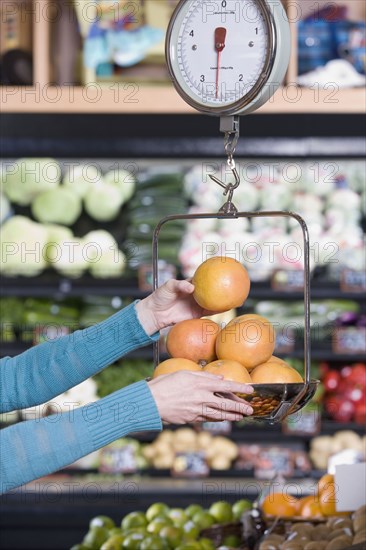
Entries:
{"x":96,"y":243}
{"x":103,"y":201}
{"x":57,"y":206}
{"x":71,"y":260}
{"x":80,"y":178}
{"x":26,"y":178}
{"x":23,"y":244}
{"x":5,"y":208}
{"x":111,"y":265}
{"x":124,"y":180}
{"x":56,"y":236}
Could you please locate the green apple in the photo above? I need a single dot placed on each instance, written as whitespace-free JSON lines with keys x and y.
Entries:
{"x":156,"y":509}
{"x":203,"y":519}
{"x":154,"y":542}
{"x":133,"y":541}
{"x":173,"y":535}
{"x":221,"y":511}
{"x":158,"y":523}
{"x":192,"y":509}
{"x":96,"y":537}
{"x":113,"y":543}
{"x":133,"y":519}
{"x":102,"y":521}
{"x":178,"y":516}
{"x":241,"y":506}
{"x":191,"y":530}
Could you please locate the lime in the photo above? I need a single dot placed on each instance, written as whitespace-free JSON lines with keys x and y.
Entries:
{"x":178,"y":516}
{"x":156,"y":509}
{"x":154,"y":542}
{"x":241,"y":506}
{"x":206,"y":544}
{"x":134,"y":519}
{"x":221,"y":511}
{"x":80,"y":547}
{"x":133,"y":541}
{"x":96,"y":537}
{"x":173,"y":535}
{"x":191,"y":531}
{"x":115,"y":531}
{"x":102,"y":521}
{"x":113,"y":543}
{"x":232,"y":540}
{"x":203,"y":519}
{"x":158,"y":523}
{"x":192,"y":509}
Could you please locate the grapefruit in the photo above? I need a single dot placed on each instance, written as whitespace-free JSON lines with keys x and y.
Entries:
{"x":193,"y":339}
{"x":230,"y":370}
{"x":251,"y":342}
{"x":311,"y":508}
{"x":248,"y":316}
{"x":220,"y":284}
{"x":324,"y":482}
{"x":273,"y":372}
{"x":174,"y":365}
{"x":279,"y":504}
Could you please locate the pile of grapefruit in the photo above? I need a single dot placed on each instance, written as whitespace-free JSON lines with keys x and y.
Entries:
{"x":242,"y":351}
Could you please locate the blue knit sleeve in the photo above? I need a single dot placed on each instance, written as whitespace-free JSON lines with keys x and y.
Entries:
{"x":49,"y":369}
{"x":32,"y":449}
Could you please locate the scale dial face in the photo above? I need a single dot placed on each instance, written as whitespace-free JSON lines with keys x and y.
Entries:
{"x":221,"y":53}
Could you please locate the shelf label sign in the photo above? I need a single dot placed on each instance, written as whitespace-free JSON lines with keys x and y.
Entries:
{"x":115,"y":459}
{"x":273,"y":461}
{"x":353,"y":281}
{"x":307,"y":421}
{"x":349,"y":340}
{"x":190,"y":464}
{"x":222,"y":427}
{"x":288,"y":281}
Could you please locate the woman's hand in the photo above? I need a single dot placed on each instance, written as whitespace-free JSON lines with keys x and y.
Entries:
{"x":186,"y":397}
{"x":169,"y":304}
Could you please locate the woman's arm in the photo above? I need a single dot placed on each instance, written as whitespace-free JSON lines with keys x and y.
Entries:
{"x":35,"y":448}
{"x":49,"y":369}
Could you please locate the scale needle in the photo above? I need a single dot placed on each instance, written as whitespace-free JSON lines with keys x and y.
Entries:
{"x":220,"y":37}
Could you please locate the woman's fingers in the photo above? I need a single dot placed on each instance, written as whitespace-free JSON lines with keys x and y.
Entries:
{"x":227,"y":386}
{"x":223,"y":405}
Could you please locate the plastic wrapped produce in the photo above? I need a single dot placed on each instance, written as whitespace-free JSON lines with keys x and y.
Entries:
{"x":60,"y":206}
{"x":275,"y":197}
{"x":80,"y":178}
{"x":72,"y":260}
{"x":103,"y":201}
{"x":345,"y":199}
{"x":124,"y":180}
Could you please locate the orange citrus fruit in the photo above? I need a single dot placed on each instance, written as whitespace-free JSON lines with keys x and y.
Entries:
{"x":193,"y":339}
{"x":279,"y":504}
{"x":174,"y":365}
{"x":302,"y":502}
{"x":220,"y":284}
{"x":324,"y":482}
{"x":251,"y":342}
{"x":311,"y":508}
{"x":230,"y":370}
{"x":273,"y":372}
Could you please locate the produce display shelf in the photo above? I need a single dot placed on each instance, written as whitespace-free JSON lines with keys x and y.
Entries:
{"x":10,"y":349}
{"x":51,"y":285}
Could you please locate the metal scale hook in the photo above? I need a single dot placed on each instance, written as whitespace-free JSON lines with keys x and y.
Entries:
{"x":230,"y":126}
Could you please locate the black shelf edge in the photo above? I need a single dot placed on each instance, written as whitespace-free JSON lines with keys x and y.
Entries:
{"x":51,"y":285}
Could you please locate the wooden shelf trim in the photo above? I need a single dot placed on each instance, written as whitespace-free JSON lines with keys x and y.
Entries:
{"x":131,"y":98}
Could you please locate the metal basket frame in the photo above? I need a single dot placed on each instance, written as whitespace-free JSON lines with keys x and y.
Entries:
{"x":287,"y":406}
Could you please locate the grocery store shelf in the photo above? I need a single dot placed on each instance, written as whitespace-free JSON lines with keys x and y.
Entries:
{"x":50,"y":284}
{"x":132,"y":98}
{"x":15,"y":348}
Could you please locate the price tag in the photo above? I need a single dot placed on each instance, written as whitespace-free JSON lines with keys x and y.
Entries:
{"x":190,"y":465}
{"x":349,"y":340}
{"x":145,"y":275}
{"x":353,"y":281}
{"x":115,"y":459}
{"x":304,"y":422}
{"x":288,"y":281}
{"x":273,"y":461}
{"x":223,"y":427}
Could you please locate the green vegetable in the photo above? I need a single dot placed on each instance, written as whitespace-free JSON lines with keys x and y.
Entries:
{"x":23,"y":245}
{"x":26,"y":178}
{"x":103,"y":201}
{"x":5,"y":208}
{"x":127,"y":371}
{"x":80,"y":178}
{"x":57,"y":206}
{"x":124,"y":180}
